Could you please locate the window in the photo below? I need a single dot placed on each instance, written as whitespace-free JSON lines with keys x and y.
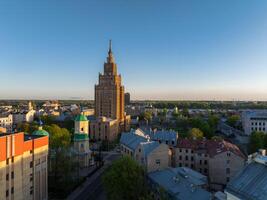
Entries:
{"x":7,"y":193}
{"x":186,"y":164}
{"x":81,"y":129}
{"x":167,"y":142}
{"x":260,"y":123}
{"x":12,"y":190}
{"x":7,"y":161}
{"x":228,"y":161}
{"x":172,"y":142}
{"x":139,"y":150}
{"x":31,"y":164}
{"x":12,"y":175}
{"x":12,"y":159}
{"x":192,"y":158}
{"x":205,"y":170}
{"x":192,"y":151}
{"x":227,"y":179}
{"x":158,"y":161}
{"x":205,"y":162}
{"x":7,"y":177}
{"x":252,"y":123}
{"x":180,"y":150}
{"x":227,"y":170}
{"x":200,"y":162}
{"x":186,"y":157}
{"x":180,"y":157}
{"x":228,"y":154}
{"x":192,"y":166}
{"x":186,"y":150}
{"x":180,"y":164}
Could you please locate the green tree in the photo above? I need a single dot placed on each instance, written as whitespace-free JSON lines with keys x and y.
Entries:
{"x":124,"y":180}
{"x":196,"y":133}
{"x":257,"y":141}
{"x":59,"y":140}
{"x":232,"y":120}
{"x":27,"y":127}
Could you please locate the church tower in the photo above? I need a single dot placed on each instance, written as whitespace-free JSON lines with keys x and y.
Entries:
{"x":109,"y":93}
{"x":81,"y":140}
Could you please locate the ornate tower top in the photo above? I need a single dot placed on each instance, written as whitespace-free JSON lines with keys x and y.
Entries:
{"x":110,"y":58}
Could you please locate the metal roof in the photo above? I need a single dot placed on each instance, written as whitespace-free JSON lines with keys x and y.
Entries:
{"x":250,"y":183}
{"x":181,"y":183}
{"x":132,"y":140}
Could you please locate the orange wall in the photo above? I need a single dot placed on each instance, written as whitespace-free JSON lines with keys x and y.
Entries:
{"x":20,"y":145}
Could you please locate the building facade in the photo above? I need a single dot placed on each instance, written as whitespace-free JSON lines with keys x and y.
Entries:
{"x":6,"y":122}
{"x":23,"y":166}
{"x":150,"y":154}
{"x":127,"y":98}
{"x":219,"y":160}
{"x":254,"y":120}
{"x":109,"y":102}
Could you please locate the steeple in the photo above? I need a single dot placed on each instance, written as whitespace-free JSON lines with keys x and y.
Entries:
{"x":110,"y":58}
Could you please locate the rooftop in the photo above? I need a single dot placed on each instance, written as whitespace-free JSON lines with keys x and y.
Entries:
{"x":181,"y":183}
{"x":132,"y":140}
{"x":211,"y":147}
{"x":250,"y":183}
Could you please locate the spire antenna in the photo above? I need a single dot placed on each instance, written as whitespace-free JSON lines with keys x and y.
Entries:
{"x":110,"y":45}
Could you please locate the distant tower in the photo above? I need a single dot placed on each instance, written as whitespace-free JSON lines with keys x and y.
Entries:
{"x":30,"y":106}
{"x":127,"y":98}
{"x":81,"y":140}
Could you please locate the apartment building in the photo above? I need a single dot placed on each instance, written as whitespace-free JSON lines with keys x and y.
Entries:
{"x":6,"y":122}
{"x":254,"y":120}
{"x":23,"y":166}
{"x":217,"y":159}
{"x":150,"y":154}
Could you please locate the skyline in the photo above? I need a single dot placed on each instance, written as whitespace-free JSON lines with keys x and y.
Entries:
{"x":183,"y":50}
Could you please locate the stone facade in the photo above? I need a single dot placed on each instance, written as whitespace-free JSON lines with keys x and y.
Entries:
{"x":109,"y":103}
{"x":104,"y":129}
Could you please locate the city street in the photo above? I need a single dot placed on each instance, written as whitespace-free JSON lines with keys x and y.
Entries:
{"x":92,"y":188}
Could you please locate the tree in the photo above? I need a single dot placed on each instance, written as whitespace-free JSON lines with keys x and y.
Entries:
{"x":59,"y":140}
{"x":196,"y":133}
{"x":124,"y":180}
{"x":27,"y":127}
{"x":232,"y":120}
{"x":257,"y":141}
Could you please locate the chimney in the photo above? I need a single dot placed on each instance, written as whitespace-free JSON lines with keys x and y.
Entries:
{"x":262,"y":152}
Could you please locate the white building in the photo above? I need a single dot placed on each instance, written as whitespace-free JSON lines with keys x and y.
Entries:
{"x":6,"y":121}
{"x":254,"y":120}
{"x":23,"y":116}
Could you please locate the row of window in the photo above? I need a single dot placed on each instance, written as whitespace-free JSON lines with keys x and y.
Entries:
{"x":256,"y":123}
{"x":257,"y":129}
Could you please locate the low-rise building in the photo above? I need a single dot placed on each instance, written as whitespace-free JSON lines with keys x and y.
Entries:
{"x":103,"y":128}
{"x":23,"y":166}
{"x":178,"y":183}
{"x":254,"y":120}
{"x":151,"y":154}
{"x":250,"y":182}
{"x":218,"y":159}
{"x":23,"y":116}
{"x":6,"y":121}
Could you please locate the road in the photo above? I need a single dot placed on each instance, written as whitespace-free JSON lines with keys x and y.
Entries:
{"x":93,"y":190}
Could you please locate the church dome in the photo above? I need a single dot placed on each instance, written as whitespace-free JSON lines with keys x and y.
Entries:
{"x":81,"y":117}
{"x":40,"y":132}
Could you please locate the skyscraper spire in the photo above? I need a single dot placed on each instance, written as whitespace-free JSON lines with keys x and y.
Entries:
{"x":110,"y":58}
{"x":110,"y":51}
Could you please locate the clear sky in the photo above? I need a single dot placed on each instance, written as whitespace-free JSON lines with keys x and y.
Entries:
{"x":165,"y":49}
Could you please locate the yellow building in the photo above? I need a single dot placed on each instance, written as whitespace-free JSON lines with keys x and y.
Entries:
{"x":23,"y":166}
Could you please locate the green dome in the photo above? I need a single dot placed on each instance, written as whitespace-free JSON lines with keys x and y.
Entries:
{"x":81,"y":117}
{"x":41,"y":132}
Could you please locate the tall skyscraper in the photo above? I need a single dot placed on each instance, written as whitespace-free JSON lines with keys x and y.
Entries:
{"x":109,"y":93}
{"x":109,"y":104}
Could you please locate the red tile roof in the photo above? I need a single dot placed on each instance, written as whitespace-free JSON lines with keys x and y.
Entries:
{"x":211,"y":147}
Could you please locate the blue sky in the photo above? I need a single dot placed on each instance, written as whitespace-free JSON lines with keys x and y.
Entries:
{"x":190,"y":49}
